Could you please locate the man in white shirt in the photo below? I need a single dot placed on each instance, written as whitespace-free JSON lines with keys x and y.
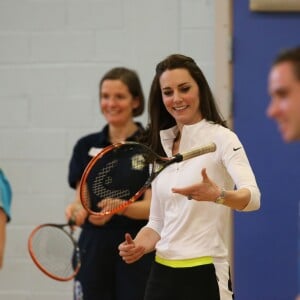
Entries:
{"x":284,"y":108}
{"x":284,"y":89}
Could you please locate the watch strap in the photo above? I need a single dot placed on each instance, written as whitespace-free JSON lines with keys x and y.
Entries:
{"x":221,"y":198}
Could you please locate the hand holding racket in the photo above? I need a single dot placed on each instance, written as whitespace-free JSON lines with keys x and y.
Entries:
{"x":77,"y":212}
{"x":104,"y":186}
{"x":54,"y":250}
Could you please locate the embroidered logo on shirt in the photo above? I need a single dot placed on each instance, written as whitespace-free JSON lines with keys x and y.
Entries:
{"x":235,"y":149}
{"x":94,"y":151}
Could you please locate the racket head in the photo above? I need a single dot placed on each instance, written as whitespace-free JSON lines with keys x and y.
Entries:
{"x":105,"y":181}
{"x":54,"y":251}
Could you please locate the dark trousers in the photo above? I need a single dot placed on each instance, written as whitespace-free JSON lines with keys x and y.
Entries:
{"x":195,"y":283}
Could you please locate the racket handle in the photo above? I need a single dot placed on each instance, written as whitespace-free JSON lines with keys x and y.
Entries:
{"x":199,"y":151}
{"x":78,"y":294}
{"x":72,"y":221}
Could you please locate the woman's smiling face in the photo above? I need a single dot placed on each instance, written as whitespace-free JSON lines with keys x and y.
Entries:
{"x":116,"y":102}
{"x":181,"y":96}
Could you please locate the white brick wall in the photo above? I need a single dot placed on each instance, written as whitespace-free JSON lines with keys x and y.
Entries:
{"x":52,"y":56}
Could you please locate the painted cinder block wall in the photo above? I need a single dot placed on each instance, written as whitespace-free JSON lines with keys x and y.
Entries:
{"x":52,"y":56}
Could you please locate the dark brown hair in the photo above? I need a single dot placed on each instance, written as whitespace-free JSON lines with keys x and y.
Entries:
{"x":131,"y":79}
{"x":159,"y":118}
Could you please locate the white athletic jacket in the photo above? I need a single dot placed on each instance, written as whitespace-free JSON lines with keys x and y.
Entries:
{"x":189,"y":228}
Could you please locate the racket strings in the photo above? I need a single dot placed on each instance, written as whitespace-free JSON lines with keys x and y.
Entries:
{"x":102,"y":180}
{"x":104,"y":189}
{"x":53,"y":250}
{"x":109,"y":183}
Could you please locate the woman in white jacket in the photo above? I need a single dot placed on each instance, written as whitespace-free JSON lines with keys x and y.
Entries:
{"x":191,"y":200}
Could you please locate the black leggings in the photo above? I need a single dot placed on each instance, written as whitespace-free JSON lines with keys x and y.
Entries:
{"x":166,"y":283}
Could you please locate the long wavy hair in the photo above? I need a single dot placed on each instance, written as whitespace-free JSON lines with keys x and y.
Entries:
{"x":159,"y":118}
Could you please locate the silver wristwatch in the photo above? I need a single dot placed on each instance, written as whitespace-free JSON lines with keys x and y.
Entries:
{"x":221,"y":198}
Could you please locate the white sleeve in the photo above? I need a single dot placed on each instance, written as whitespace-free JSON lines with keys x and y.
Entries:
{"x":156,"y":212}
{"x":236,"y":162}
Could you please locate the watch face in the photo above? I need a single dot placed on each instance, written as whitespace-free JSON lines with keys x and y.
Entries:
{"x":220,"y":199}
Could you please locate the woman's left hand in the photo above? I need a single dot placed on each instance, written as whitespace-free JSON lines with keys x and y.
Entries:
{"x":206,"y":190}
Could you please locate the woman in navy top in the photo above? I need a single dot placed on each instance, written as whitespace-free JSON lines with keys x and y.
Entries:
{"x":103,"y":273}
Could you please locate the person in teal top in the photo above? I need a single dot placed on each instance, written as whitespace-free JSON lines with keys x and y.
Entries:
{"x":5,"y":204}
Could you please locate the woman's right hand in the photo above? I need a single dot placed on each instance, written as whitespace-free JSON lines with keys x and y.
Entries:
{"x":129,"y":251}
{"x":76,"y":212}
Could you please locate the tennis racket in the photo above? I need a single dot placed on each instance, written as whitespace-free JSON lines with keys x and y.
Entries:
{"x":122,"y":172}
{"x":54,"y":250}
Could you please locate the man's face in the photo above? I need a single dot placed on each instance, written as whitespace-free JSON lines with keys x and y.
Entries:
{"x":284,"y":90}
